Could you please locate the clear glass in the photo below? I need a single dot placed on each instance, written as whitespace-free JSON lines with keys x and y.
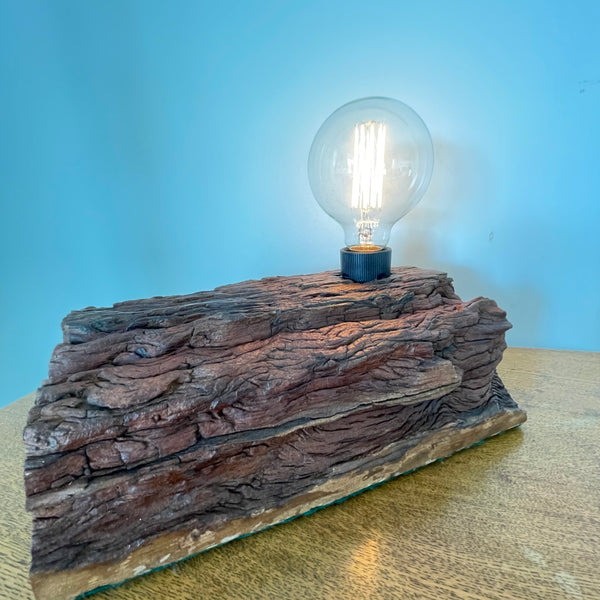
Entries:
{"x":369,"y":164}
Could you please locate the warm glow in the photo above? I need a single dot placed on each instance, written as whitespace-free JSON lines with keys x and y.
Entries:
{"x":368,"y":165}
{"x":368,"y":169}
{"x":366,"y":560}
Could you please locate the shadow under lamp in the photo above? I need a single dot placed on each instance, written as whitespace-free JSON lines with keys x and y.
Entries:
{"x":369,"y":164}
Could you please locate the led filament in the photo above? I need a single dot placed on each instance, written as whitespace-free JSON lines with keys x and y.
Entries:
{"x":368,"y":171}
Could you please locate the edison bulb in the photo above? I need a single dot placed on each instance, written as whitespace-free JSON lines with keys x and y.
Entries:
{"x":369,"y":164}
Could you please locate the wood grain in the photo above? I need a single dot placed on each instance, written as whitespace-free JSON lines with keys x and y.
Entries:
{"x":515,"y":518}
{"x":171,"y":425}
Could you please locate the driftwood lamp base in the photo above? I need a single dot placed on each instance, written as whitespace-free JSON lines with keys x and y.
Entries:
{"x":171,"y":425}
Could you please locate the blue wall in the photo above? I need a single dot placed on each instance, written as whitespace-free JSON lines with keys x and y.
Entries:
{"x":153,"y":148}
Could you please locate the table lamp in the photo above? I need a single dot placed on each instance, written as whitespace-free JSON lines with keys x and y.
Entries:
{"x":170,"y":425}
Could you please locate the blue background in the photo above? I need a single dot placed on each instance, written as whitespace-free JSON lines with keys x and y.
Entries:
{"x":155,"y":148}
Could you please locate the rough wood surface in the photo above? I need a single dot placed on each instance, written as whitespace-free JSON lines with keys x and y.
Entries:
{"x":172,"y":424}
{"x":513,"y":518}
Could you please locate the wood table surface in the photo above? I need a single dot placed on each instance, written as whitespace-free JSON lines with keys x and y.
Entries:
{"x":517,"y":517}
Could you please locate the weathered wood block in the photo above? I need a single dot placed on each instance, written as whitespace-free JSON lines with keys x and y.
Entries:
{"x":171,"y":425}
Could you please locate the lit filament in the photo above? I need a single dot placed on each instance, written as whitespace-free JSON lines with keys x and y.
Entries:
{"x":368,"y":169}
{"x":368,"y":165}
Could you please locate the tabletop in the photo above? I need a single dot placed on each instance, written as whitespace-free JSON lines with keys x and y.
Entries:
{"x":517,"y":517}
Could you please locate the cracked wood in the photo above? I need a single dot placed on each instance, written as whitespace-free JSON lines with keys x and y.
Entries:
{"x":184,"y":414}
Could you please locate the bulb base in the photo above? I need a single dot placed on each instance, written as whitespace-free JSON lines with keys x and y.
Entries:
{"x":366,"y":266}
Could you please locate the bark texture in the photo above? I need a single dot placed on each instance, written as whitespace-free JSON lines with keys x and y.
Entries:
{"x":176,"y":422}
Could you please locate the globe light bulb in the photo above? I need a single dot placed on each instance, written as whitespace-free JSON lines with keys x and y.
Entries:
{"x":369,"y":164}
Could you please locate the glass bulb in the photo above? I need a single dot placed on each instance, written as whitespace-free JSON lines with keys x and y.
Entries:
{"x":369,"y":164}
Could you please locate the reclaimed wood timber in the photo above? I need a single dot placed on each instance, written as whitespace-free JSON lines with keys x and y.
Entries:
{"x":171,"y":425}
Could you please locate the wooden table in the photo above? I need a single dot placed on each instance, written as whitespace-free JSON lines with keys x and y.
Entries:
{"x":517,"y":517}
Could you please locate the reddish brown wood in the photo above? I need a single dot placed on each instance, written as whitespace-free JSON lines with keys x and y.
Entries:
{"x":190,"y":413}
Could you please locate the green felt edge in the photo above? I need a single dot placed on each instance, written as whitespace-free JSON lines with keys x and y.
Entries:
{"x":309,"y":512}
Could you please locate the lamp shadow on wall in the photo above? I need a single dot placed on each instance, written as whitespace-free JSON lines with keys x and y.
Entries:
{"x":456,"y":218}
